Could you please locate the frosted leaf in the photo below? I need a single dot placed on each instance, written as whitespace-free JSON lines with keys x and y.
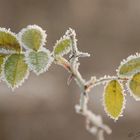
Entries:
{"x":32,"y":37}
{"x":15,"y":70}
{"x":9,"y":41}
{"x":39,"y":61}
{"x":62,"y":46}
{"x":134,"y":86}
{"x":129,"y":66}
{"x":114,"y":99}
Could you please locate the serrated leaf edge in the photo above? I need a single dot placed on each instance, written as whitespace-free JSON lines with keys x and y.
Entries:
{"x":124,"y":61}
{"x":66,"y":49}
{"x":6,"y":51}
{"x":14,"y":35}
{"x":43,"y":34}
{"x":47,"y":66}
{"x":4,"y":78}
{"x":124,"y":101}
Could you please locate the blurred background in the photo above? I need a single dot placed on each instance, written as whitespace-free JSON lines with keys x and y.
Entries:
{"x":43,"y":108}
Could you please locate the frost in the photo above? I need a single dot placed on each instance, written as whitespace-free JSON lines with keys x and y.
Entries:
{"x":32,"y":37}
{"x":94,"y":123}
{"x":9,"y":41}
{"x":40,"y":61}
{"x":114,"y":99}
{"x":103,"y":80}
{"x":2,"y":60}
{"x":62,"y":46}
{"x":72,"y":34}
{"x":133,"y":86}
{"x":129,"y":66}
{"x":6,"y":51}
{"x":15,"y":70}
{"x":82,"y":54}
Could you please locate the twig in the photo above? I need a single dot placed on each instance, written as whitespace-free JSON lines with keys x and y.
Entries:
{"x":93,"y":122}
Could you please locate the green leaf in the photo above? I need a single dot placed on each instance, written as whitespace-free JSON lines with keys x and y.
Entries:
{"x":32,"y":37}
{"x":129,"y":67}
{"x":114,"y":99}
{"x":63,"y":46}
{"x":8,"y":41}
{"x":40,"y":61}
{"x":134,"y":86}
{"x":15,"y":70}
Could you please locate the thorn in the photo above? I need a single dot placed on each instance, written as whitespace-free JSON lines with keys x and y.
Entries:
{"x":70,"y":79}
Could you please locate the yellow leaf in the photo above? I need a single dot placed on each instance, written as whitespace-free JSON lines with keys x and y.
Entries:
{"x":114,"y":99}
{"x":63,"y":46}
{"x":8,"y":41}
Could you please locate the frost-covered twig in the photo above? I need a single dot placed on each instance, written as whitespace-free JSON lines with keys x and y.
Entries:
{"x":72,"y":66}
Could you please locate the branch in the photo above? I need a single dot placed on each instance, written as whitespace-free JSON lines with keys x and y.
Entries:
{"x":94,"y":123}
